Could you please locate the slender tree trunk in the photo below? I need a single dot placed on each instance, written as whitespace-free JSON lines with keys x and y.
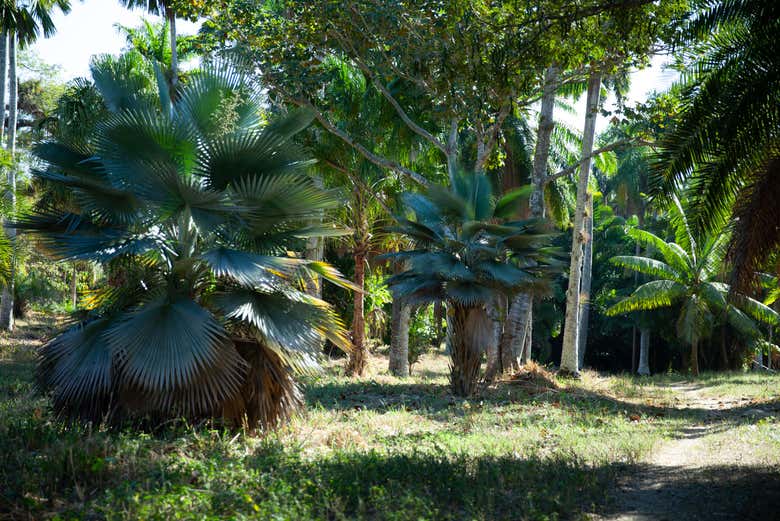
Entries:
{"x":438,"y":317}
{"x":520,"y":312}
{"x":3,"y":79}
{"x":587,"y":279}
{"x":358,"y":358}
{"x":7,"y":300}
{"x":466,"y":327}
{"x":529,"y":338}
{"x":74,"y":290}
{"x":399,"y":337}
{"x":494,"y":357}
{"x":171,"y":15}
{"x":570,"y":356}
{"x":644,"y":352}
{"x":724,"y":357}
{"x":515,"y":328}
{"x":695,"y":358}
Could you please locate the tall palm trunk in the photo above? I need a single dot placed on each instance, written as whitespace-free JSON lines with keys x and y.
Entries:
{"x":644,"y":352}
{"x":3,"y":79}
{"x":7,"y":300}
{"x":171,"y":15}
{"x":399,"y":338}
{"x":585,"y":287}
{"x":399,"y":335}
{"x":466,"y":327}
{"x":569,"y":356}
{"x":695,"y":357}
{"x":358,"y":358}
{"x":520,"y":313}
{"x":529,"y":337}
{"x":74,"y":279}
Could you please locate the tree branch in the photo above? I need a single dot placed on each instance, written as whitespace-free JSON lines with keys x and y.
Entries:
{"x":607,"y":148}
{"x":359,"y":182}
{"x":378,"y":160}
{"x":417,"y":129}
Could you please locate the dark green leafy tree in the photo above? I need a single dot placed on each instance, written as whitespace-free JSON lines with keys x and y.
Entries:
{"x":689,"y":277}
{"x":467,"y":253}
{"x":724,"y":148}
{"x":192,"y":206}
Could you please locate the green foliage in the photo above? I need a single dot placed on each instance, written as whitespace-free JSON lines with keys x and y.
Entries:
{"x":203,"y":309}
{"x":721,"y":153}
{"x":688,"y":277}
{"x":422,"y":333}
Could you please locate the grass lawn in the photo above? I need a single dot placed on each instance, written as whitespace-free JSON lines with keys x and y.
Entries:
{"x":377,"y":448}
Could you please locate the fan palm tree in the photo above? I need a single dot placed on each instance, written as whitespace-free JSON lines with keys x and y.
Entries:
{"x":725,"y":147}
{"x":467,"y":253}
{"x":192,"y":206}
{"x":688,"y":277}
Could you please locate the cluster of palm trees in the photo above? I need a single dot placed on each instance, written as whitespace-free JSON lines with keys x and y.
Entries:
{"x":198,"y":199}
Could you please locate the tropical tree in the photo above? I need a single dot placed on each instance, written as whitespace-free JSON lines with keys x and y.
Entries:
{"x":170,"y":10}
{"x":724,"y":146}
{"x":192,"y":206}
{"x":153,"y":41}
{"x":467,"y":253}
{"x":22,"y":23}
{"x":688,"y":277}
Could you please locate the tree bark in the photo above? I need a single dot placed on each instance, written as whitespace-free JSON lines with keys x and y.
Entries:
{"x":529,"y":337}
{"x":358,"y":357}
{"x":399,"y":337}
{"x":74,"y":290}
{"x":171,"y":15}
{"x":587,"y":278}
{"x":438,"y":317}
{"x":494,"y":356}
{"x":520,"y":314}
{"x":570,"y":356}
{"x":3,"y":79}
{"x":466,"y":327}
{"x":7,"y":299}
{"x":695,"y":358}
{"x":644,"y":352}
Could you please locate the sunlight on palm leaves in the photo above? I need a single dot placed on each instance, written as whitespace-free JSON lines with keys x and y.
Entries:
{"x":193,"y":217}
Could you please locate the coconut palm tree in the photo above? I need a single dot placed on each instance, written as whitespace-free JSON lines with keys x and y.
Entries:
{"x":724,"y":145}
{"x":688,"y":277}
{"x":467,"y":253}
{"x":192,"y":206}
{"x":21,"y":24}
{"x":153,"y":41}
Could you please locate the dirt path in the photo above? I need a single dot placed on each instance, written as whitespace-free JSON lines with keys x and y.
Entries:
{"x":692,"y":477}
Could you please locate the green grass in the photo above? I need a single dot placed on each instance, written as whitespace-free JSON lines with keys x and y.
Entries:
{"x":378,"y":448}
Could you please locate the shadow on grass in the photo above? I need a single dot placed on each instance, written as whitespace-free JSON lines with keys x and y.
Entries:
{"x":728,"y":493}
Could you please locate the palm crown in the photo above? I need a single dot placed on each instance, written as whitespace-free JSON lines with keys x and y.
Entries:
{"x":193,"y":207}
{"x":688,"y":276}
{"x":467,"y":253}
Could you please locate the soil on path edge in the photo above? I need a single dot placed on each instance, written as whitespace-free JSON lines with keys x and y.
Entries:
{"x":692,"y":478}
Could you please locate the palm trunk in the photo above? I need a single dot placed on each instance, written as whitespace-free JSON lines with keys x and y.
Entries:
{"x":399,"y":337}
{"x":174,"y":54}
{"x":466,"y":326}
{"x":358,"y":358}
{"x":644,"y":352}
{"x":520,"y":314}
{"x":3,"y":79}
{"x":570,"y":356}
{"x":695,"y":358}
{"x":7,"y":300}
{"x":587,"y":279}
